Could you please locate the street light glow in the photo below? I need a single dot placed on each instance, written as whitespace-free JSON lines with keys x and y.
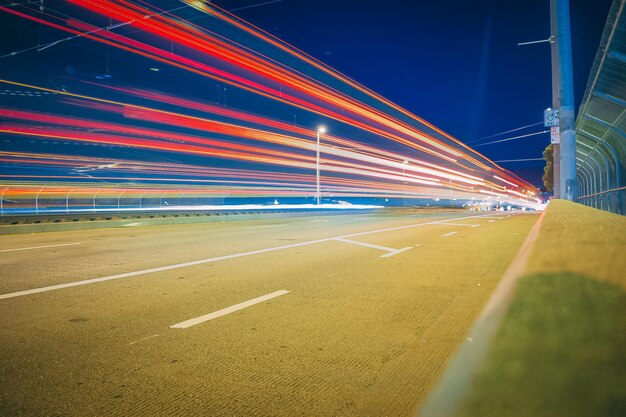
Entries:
{"x":320,"y":130}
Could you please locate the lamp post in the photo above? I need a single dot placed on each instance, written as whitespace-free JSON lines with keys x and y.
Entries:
{"x":2,"y":201}
{"x":67,"y":201}
{"x":405,"y":162}
{"x":320,"y":130}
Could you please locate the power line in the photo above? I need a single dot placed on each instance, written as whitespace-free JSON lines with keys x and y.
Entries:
{"x":502,"y":133}
{"x":255,"y":5}
{"x":513,"y":138}
{"x":40,"y":48}
{"x":520,"y":160}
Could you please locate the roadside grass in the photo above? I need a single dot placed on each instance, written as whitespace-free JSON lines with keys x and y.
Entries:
{"x":561,"y":349}
{"x":581,"y":239}
{"x":560,"y":352}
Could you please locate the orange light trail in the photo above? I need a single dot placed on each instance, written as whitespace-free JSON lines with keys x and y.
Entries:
{"x":375,"y":147}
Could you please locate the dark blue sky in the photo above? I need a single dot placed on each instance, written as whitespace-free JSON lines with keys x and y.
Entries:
{"x":454,"y":63}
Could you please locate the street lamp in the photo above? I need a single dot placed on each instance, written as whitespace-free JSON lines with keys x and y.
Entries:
{"x":405,"y":162}
{"x":320,"y":130}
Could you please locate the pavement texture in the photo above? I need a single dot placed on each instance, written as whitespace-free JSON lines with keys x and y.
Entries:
{"x":357,"y":334}
{"x":560,"y":349}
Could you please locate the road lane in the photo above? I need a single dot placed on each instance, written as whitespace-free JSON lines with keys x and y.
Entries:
{"x":356,"y":335}
{"x":113,"y":252}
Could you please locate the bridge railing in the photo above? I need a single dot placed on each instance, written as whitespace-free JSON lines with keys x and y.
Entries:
{"x":601,"y":122}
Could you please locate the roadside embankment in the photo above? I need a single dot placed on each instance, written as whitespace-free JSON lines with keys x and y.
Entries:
{"x":560,"y":348}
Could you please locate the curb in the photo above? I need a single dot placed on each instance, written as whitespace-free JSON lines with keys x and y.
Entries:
{"x":451,"y":389}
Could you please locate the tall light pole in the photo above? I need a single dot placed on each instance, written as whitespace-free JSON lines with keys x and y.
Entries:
{"x":405,"y":162}
{"x":320,"y":130}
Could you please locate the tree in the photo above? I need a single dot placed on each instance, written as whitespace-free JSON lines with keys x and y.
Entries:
{"x":548,"y":171}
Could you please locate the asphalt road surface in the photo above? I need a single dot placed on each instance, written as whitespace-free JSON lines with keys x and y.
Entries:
{"x":352,"y":315}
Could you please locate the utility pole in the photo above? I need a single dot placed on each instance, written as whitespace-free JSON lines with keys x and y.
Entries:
{"x":556,"y":99}
{"x":567,"y":115}
{"x":563,"y":135}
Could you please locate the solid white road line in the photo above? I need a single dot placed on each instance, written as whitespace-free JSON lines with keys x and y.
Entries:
{"x":449,"y":234}
{"x":151,"y":270}
{"x":216,"y":259}
{"x":192,"y":322}
{"x":408,"y":226}
{"x":40,"y":247}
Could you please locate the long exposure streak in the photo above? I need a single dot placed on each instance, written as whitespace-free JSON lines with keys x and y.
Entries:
{"x":144,"y":123}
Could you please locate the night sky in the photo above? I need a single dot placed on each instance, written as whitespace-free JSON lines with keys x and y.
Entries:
{"x":454,"y":63}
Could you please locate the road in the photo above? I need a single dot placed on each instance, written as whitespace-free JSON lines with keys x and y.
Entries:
{"x":315,"y":316}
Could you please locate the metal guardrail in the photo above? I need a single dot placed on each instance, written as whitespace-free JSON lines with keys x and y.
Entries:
{"x":611,"y":199}
{"x":601,"y":122}
{"x":25,"y":200}
{"x":149,"y":214}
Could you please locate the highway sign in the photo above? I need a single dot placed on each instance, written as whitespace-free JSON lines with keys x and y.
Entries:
{"x":550,"y":117}
{"x":555,"y":135}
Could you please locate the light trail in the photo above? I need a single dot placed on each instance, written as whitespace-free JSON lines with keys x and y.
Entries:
{"x":375,"y":148}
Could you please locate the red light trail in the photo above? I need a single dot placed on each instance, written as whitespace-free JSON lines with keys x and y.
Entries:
{"x":379,"y":149}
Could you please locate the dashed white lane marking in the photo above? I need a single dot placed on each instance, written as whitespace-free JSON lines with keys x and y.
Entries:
{"x":132,"y":224}
{"x":145,"y":338}
{"x":390,"y":251}
{"x":192,"y":322}
{"x":40,"y":247}
{"x":459,"y":224}
{"x":264,"y":227}
{"x":490,"y":221}
{"x":449,"y":234}
{"x":216,"y":259}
